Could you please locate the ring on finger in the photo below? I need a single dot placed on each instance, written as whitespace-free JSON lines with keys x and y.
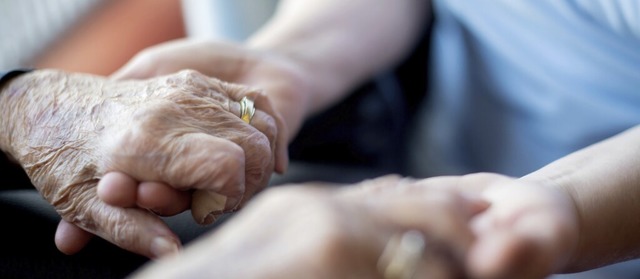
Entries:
{"x":247,"y":110}
{"x":402,"y":255}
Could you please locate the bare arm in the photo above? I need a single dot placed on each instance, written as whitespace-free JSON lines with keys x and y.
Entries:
{"x":604,"y":182}
{"x":339,"y":44}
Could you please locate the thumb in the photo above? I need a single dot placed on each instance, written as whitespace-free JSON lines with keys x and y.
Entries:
{"x":70,"y":239}
{"x":133,"y":69}
{"x":517,"y":251}
{"x":502,"y":255}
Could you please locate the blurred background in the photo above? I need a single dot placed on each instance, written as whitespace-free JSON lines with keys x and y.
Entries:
{"x":98,"y":36}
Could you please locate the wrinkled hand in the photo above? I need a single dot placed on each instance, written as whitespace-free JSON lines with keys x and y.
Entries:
{"x":226,"y":61}
{"x":308,"y":231}
{"x":230,"y":62}
{"x":279,"y":76}
{"x":528,"y":231}
{"x":183,"y":130}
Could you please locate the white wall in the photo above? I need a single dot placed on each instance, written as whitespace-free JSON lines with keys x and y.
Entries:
{"x":226,"y":19}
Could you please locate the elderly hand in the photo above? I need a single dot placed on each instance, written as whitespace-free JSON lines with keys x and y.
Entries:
{"x":308,"y":231}
{"x":182,"y":130}
{"x":283,"y":79}
{"x":277,"y":76}
{"x":528,"y":231}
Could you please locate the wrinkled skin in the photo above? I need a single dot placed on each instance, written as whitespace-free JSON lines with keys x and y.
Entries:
{"x":281,"y":77}
{"x":182,"y":130}
{"x":278,"y":76}
{"x":310,"y":231}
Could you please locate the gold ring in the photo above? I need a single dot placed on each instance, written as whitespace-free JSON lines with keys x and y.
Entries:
{"x":246,"y":110}
{"x":402,"y":255}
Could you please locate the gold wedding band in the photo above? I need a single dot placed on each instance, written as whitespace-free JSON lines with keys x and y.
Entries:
{"x":402,"y":255}
{"x":246,"y":110}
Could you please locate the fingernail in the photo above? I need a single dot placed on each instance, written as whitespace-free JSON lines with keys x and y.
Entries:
{"x":232,"y":204}
{"x":163,"y":246}
{"x":211,"y":217}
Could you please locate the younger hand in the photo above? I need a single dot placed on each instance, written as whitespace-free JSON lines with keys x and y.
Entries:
{"x":528,"y":231}
{"x":311,"y":231}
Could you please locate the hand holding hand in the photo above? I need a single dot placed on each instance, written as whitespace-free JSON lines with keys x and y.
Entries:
{"x":183,"y":130}
{"x":234,"y":63}
{"x":528,"y":231}
{"x":309,"y":231}
{"x":281,"y":78}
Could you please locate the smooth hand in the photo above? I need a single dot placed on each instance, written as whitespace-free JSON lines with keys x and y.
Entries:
{"x":183,"y":130}
{"x":309,"y":231}
{"x":528,"y":231}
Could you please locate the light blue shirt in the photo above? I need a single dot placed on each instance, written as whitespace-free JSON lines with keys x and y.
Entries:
{"x":516,"y":84}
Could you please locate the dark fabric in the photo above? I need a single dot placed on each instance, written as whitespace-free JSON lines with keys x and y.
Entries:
{"x":13,"y":176}
{"x":6,"y":76}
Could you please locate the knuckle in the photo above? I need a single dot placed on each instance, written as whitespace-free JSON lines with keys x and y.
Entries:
{"x":260,"y":149}
{"x":188,"y":74}
{"x":187,"y":80}
{"x":233,"y":159}
{"x":144,"y":125}
{"x":259,"y":159}
{"x":271,"y":128}
{"x":122,"y":230}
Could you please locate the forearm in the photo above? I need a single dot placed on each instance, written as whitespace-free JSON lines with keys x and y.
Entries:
{"x":604,"y":182}
{"x":339,"y":44}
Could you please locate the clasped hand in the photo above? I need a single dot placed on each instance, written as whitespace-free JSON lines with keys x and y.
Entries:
{"x":474,"y":226}
{"x":174,"y":133}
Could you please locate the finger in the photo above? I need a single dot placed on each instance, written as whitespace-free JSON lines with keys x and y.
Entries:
{"x":162,"y":199}
{"x":261,"y":121}
{"x":469,"y":190}
{"x":70,"y":239}
{"x":394,"y":185}
{"x":258,"y":145}
{"x":257,"y":139}
{"x":118,"y":189}
{"x":442,"y":216}
{"x":512,"y":230}
{"x":135,"y":68}
{"x":133,"y":229}
{"x":207,"y":206}
{"x":265,"y":120}
{"x":187,"y":161}
{"x":222,"y":186}
{"x":505,"y":255}
{"x":474,"y":183}
{"x":263,"y":103}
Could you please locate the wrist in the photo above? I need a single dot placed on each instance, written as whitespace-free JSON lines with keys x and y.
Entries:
{"x":562,"y":181}
{"x":12,"y":89}
{"x":322,"y":74}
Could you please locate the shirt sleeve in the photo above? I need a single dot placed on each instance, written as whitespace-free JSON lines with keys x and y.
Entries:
{"x":6,"y":76}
